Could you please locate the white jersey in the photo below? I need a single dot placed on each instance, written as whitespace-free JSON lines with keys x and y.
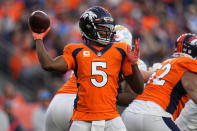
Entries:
{"x":187,"y":120}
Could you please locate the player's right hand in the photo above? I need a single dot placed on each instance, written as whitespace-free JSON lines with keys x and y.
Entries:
{"x":39,"y":36}
{"x":134,"y":55}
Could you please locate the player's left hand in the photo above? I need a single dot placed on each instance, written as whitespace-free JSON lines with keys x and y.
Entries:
{"x":134,"y":55}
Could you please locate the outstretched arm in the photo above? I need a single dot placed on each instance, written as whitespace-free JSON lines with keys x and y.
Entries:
{"x":189,"y":82}
{"x":48,"y":63}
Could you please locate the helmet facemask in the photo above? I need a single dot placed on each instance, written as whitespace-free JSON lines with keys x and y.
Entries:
{"x":104,"y":33}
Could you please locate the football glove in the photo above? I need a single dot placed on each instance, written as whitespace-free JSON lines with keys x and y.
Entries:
{"x":39,"y":36}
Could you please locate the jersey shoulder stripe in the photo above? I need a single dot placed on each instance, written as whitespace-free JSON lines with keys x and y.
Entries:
{"x":121,"y":45}
{"x":74,"y":54}
{"x":69,"y":52}
{"x":122,"y":52}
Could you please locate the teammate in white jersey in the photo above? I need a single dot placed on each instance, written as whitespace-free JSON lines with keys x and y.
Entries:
{"x":124,"y":35}
{"x":187,"y":121}
{"x":125,"y":98}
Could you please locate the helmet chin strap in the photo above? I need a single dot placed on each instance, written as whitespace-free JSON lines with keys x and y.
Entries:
{"x":94,"y":42}
{"x":102,"y":42}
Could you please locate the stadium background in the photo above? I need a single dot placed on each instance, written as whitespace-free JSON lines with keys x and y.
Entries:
{"x":24,"y":85}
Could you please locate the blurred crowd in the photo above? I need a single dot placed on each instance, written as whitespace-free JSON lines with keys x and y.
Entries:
{"x":156,"y":22}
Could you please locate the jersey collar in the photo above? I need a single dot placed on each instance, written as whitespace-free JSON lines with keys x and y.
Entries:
{"x":100,"y":52}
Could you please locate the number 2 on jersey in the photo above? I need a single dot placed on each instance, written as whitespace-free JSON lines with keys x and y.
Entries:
{"x":159,"y":79}
{"x":96,"y":71}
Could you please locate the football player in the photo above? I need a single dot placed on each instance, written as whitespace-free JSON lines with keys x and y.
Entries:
{"x":167,"y":91}
{"x":60,"y":109}
{"x":97,"y":64}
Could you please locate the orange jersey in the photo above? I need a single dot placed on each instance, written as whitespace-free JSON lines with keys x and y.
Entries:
{"x":97,"y":73}
{"x":69,"y":87}
{"x":165,"y":87}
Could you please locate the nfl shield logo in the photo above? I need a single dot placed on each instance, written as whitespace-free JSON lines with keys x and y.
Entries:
{"x":99,"y":54}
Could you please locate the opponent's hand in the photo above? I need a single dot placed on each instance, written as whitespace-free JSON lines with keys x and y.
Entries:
{"x":39,"y":36}
{"x":134,"y":55}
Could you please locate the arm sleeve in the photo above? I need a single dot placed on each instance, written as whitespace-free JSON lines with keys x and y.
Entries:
{"x":67,"y":55}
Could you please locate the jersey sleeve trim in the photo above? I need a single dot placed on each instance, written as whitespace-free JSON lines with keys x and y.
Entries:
{"x":122,"y":52}
{"x":74,"y":54}
{"x":66,"y":59}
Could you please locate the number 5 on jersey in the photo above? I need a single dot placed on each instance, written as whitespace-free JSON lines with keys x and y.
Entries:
{"x":101,"y":73}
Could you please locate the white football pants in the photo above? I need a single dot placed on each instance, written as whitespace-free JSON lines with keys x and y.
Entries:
{"x":59,"y":112}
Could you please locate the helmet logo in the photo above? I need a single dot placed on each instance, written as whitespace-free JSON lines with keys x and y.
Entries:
{"x":89,"y":14}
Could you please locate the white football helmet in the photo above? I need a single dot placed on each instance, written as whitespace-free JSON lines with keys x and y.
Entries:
{"x":141,"y":65}
{"x":123,"y":35}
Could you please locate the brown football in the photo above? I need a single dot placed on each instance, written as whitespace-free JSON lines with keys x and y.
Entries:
{"x":39,"y":21}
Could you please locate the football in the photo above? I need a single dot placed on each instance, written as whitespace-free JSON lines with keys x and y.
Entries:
{"x":39,"y":21}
